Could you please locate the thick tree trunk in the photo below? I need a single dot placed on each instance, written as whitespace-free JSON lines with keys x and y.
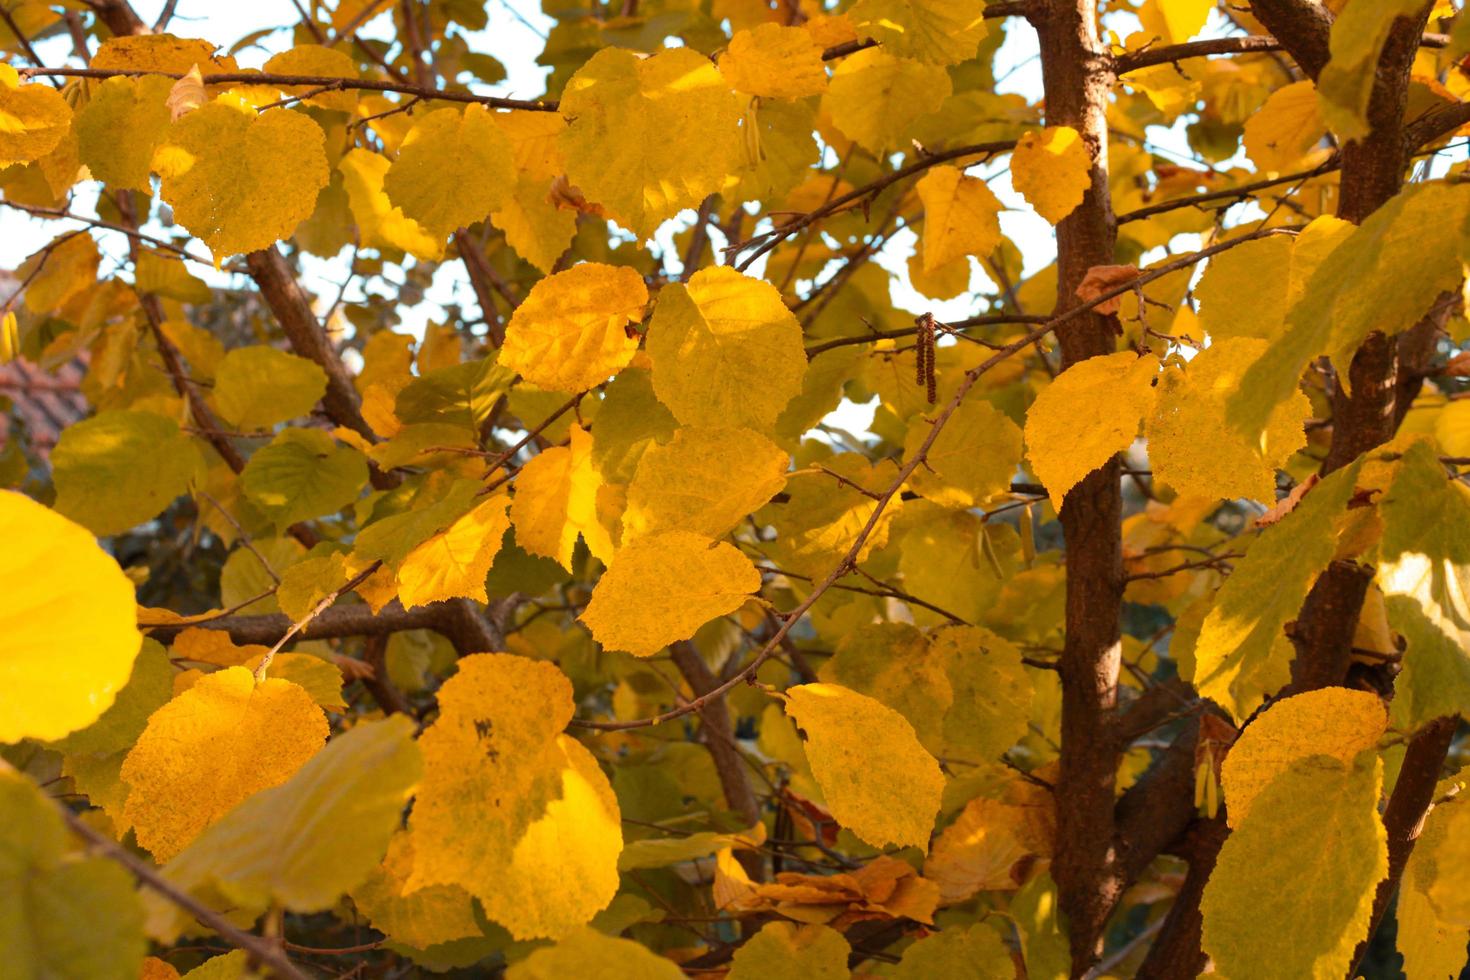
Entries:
{"x":1078,"y":76}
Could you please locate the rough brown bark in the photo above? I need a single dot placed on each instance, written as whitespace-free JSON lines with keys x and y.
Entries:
{"x":1176,"y":954}
{"x":1403,"y":818}
{"x":1078,"y":75}
{"x":1302,"y":26}
{"x":470,"y":633}
{"x":293,"y":312}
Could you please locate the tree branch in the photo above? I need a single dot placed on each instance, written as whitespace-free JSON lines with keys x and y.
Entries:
{"x":327,"y":83}
{"x":260,"y":949}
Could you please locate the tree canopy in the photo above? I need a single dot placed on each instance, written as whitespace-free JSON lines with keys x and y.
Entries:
{"x":889,"y":488}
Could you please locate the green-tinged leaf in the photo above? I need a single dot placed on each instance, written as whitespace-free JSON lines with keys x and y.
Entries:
{"x":256,"y":387}
{"x":1243,"y":653}
{"x":76,"y":918}
{"x":1424,"y":571}
{"x":303,"y":474}
{"x":880,"y":783}
{"x":791,"y":951}
{"x":1316,"y":823}
{"x":119,"y":469}
{"x":303,"y":843}
{"x":589,"y":954}
{"x":1384,"y":276}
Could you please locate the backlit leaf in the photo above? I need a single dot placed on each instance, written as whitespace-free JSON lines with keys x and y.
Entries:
{"x":942,"y":32}
{"x":303,"y":474}
{"x":301,"y":844}
{"x":1317,"y":822}
{"x":1051,"y":169}
{"x":36,"y":118}
{"x":119,"y":469}
{"x":542,"y":855}
{"x":256,"y":387}
{"x":570,"y":332}
{"x":1346,"y":82}
{"x":68,"y":614}
{"x":238,"y":181}
{"x":688,"y":483}
{"x":453,"y":169}
{"x":726,"y":351}
{"x":973,"y":458}
{"x":454,"y":562}
{"x":556,"y":501}
{"x":961,"y":216}
{"x":879,"y":781}
{"x":620,"y":110}
{"x":790,"y":951}
{"x":1332,"y":721}
{"x":663,"y":587}
{"x":774,"y":62}
{"x":1242,"y":653}
{"x":589,"y":954}
{"x":875,"y":98}
{"x":1064,"y":448}
{"x":222,"y":740}
{"x":121,"y":126}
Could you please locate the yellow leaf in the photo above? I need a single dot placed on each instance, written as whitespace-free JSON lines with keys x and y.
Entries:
{"x":454,"y":562}
{"x":879,"y":781}
{"x":945,"y":282}
{"x":1332,"y":721}
{"x":1433,"y":917}
{"x":1175,"y":21}
{"x":960,"y":953}
{"x":774,"y":62}
{"x":1424,"y":571}
{"x":790,"y":951}
{"x":210,"y":748}
{"x":892,"y":663}
{"x":320,"y":61}
{"x":663,"y":587}
{"x":875,"y":98}
{"x":993,"y":844}
{"x":68,"y":640}
{"x":1193,"y":449}
{"x":941,"y":32}
{"x":534,"y":226}
{"x":689,"y":484}
{"x":120,"y":127}
{"x":34,"y":119}
{"x":726,"y":351}
{"x":589,"y":955}
{"x":1247,"y":291}
{"x":317,"y":677}
{"x":301,"y":844}
{"x":380,"y":223}
{"x":1064,"y":446}
{"x":1242,"y":653}
{"x":453,"y":169}
{"x":542,"y":853}
{"x":570,"y":332}
{"x":992,"y":691}
{"x":961,"y":216}
{"x":1317,"y":822}
{"x":1281,"y":133}
{"x":556,"y":500}
{"x":972,"y":459}
{"x":1052,"y":170}
{"x":241,"y":181}
{"x":160,"y":53}
{"x":621,"y":109}
{"x":535,"y":139}
{"x":429,"y":916}
{"x":823,"y":517}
